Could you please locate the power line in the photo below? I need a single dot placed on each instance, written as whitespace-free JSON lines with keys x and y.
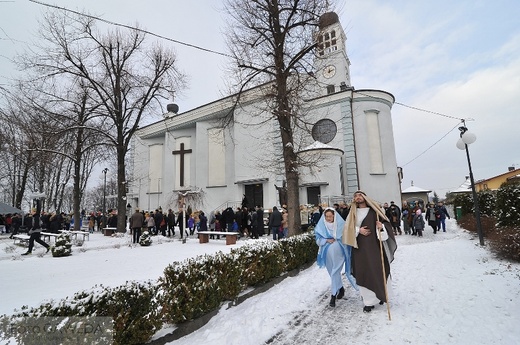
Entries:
{"x":132,"y":28}
{"x":230,"y":56}
{"x":431,"y":112}
{"x":435,"y":143}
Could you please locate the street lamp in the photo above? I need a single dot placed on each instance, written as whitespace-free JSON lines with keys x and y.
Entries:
{"x":104,"y":196}
{"x":467,"y":138}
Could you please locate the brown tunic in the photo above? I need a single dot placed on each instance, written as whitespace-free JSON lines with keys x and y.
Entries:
{"x":366,"y":259}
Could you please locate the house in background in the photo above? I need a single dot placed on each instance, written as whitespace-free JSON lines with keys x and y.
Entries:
{"x":495,"y":182}
{"x":413,"y":195}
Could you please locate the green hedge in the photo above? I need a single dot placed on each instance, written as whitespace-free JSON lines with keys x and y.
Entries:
{"x":186,"y":291}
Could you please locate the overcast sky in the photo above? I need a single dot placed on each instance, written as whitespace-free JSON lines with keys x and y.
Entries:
{"x":457,"y":58}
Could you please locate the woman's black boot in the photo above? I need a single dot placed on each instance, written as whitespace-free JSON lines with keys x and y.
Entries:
{"x":332,"y":301}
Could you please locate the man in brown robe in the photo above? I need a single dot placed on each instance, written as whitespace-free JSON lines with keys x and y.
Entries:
{"x":364,"y":221}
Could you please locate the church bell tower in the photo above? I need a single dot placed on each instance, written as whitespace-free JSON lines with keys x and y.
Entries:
{"x":332,"y":63}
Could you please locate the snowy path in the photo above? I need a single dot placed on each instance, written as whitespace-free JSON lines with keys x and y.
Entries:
{"x":445,"y":290}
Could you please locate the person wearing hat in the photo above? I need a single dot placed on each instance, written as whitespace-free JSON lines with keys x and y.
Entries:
{"x":366,"y":229}
{"x":136,"y":223}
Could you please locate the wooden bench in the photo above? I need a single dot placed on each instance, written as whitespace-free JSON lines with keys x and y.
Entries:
{"x":231,"y":237}
{"x":49,"y":235}
{"x":21,"y":239}
{"x":74,"y":234}
{"x":109,"y":231}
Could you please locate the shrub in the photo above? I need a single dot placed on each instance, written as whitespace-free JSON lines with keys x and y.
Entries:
{"x":63,"y":246}
{"x":508,"y":205}
{"x":486,"y":202}
{"x":505,"y":242}
{"x":196,"y":286}
{"x":187,"y":290}
{"x":133,"y":307}
{"x":145,"y":239}
{"x":469,"y":223}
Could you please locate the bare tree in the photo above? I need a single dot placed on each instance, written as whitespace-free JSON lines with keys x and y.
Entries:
{"x":124,"y":77}
{"x":272,"y":44}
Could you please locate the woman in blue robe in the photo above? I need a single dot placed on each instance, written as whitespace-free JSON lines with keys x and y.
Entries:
{"x":332,"y":253}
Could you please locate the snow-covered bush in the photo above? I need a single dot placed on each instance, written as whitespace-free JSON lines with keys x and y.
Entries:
{"x":63,"y":246}
{"x":197,"y":286}
{"x":508,"y":205}
{"x":133,"y":307}
{"x":187,"y":290}
{"x":145,"y":239}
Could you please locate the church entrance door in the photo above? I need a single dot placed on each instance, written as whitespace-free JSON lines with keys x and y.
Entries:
{"x":313,"y":195}
{"x":255,"y":195}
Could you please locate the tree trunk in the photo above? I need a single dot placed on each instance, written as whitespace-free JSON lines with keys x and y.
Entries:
{"x":121,"y":190}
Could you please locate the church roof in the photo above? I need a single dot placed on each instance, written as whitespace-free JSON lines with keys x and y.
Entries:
{"x":415,"y":189}
{"x":327,"y":19}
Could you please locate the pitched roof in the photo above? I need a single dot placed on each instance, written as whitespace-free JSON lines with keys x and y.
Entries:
{"x":464,"y":187}
{"x":415,"y":189}
{"x":499,"y":175}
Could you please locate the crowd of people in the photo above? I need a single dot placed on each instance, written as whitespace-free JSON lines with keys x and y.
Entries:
{"x":414,"y":223}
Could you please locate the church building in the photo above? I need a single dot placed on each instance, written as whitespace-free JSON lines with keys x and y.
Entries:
{"x":350,"y":134}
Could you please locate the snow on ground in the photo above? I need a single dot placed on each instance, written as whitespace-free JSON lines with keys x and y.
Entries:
{"x":446,"y":289}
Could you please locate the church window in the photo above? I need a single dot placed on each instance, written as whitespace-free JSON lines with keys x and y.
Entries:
{"x":375,"y":147}
{"x":216,"y":155}
{"x":324,"y":131}
{"x":155,"y":168}
{"x":330,"y":89}
{"x":328,"y":42}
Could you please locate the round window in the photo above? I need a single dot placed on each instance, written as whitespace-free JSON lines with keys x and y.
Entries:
{"x":324,"y":131}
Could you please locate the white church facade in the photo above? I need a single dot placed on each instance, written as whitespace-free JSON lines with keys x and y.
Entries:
{"x":350,"y":130}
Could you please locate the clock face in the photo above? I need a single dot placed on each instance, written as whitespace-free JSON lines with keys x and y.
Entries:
{"x":324,"y":131}
{"x":329,"y":71}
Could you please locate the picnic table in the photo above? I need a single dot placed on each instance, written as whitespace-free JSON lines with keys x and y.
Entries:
{"x":49,"y":235}
{"x":21,"y":239}
{"x":231,"y":237}
{"x":75,"y":233}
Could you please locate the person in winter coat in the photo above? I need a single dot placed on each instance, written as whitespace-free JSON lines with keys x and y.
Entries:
{"x":285,"y":224}
{"x":203,"y":222}
{"x":136,"y":223}
{"x":442,"y":213}
{"x":406,"y":222}
{"x":35,"y":233}
{"x":431,"y":217}
{"x":275,"y":221}
{"x":150,"y":223}
{"x":191,"y":224}
{"x":418,"y":223}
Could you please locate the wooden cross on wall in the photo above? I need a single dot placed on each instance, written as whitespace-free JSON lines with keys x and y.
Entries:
{"x":181,"y":152}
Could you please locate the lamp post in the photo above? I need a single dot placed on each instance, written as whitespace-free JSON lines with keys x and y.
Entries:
{"x":467,"y":138}
{"x":104,"y":196}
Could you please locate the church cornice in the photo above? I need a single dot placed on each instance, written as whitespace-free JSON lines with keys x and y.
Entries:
{"x":213,"y":110}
